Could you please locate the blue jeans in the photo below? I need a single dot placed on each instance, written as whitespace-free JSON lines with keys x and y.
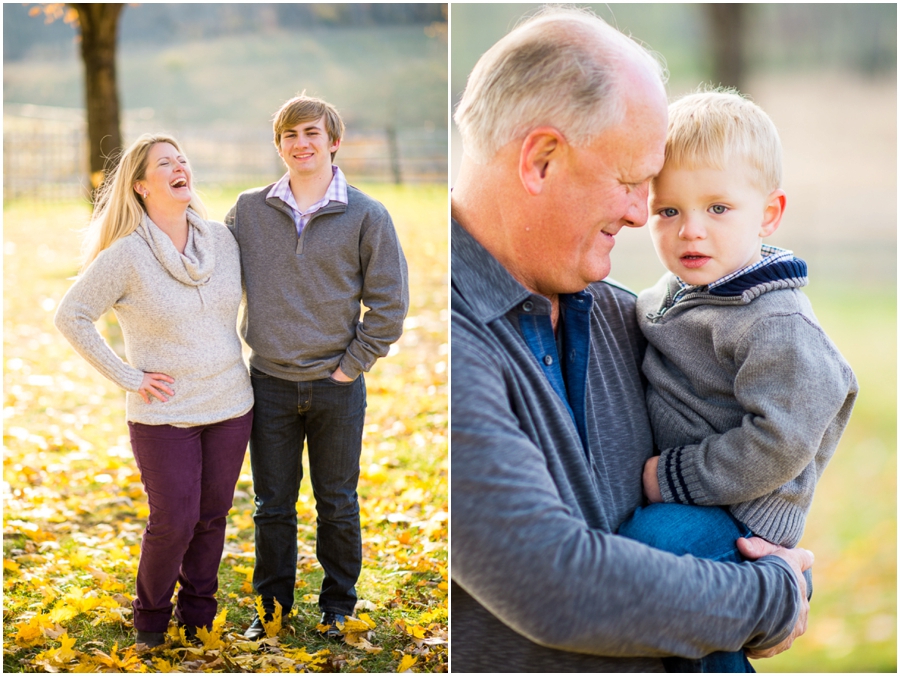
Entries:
{"x":705,"y":532}
{"x":330,"y":417}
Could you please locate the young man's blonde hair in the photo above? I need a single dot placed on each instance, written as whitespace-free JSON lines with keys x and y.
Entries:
{"x":562,"y":68}
{"x":707,"y":129}
{"x":304,"y":108}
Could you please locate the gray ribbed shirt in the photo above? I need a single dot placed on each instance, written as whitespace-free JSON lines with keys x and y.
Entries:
{"x":302,"y":317}
{"x":540,"y":582}
{"x":178,"y":315}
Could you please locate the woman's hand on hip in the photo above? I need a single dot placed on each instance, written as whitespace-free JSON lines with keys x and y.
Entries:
{"x":154,"y":384}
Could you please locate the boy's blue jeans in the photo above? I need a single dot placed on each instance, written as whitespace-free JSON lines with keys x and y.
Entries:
{"x":705,"y":532}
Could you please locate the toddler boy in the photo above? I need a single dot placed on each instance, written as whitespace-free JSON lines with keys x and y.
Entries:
{"x":747,"y":395}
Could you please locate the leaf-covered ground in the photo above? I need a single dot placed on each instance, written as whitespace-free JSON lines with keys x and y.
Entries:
{"x":74,"y":507}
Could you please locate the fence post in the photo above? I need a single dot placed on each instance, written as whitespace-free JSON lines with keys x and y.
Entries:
{"x":394,"y":154}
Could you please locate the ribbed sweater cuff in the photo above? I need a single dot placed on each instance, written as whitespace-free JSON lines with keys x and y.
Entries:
{"x":678,"y":482}
{"x":129,"y":378}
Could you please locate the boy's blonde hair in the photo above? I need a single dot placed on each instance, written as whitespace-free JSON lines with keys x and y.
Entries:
{"x":708,"y":128}
{"x":308,"y":109}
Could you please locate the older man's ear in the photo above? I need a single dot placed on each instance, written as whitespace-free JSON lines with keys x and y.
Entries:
{"x":539,"y":155}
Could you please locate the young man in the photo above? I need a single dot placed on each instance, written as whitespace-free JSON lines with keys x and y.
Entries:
{"x":312,"y":249}
{"x":747,"y":396}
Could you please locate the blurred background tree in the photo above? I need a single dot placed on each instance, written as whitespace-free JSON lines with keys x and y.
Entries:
{"x":727,"y":30}
{"x":98,"y":27}
{"x":213,"y":74}
{"x":176,"y":59}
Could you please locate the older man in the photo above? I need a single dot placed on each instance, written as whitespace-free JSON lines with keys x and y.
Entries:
{"x":563,"y":124}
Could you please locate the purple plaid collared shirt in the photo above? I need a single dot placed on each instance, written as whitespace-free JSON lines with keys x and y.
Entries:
{"x":337,"y":191}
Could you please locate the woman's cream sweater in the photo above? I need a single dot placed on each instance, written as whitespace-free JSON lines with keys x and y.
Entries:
{"x":178,"y":314}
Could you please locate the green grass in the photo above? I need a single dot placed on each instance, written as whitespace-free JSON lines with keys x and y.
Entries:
{"x":75,"y":507}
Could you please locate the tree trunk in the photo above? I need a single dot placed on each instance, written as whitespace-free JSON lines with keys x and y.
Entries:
{"x":99,"y":25}
{"x":727,"y":24}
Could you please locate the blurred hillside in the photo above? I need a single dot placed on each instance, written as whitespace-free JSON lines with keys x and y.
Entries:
{"x":214,"y":74}
{"x":162,"y":23}
{"x":214,"y":64}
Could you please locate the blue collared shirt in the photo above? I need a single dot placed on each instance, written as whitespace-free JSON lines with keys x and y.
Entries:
{"x":567,"y":373}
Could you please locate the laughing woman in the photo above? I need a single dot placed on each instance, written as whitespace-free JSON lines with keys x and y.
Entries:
{"x":173,"y":280}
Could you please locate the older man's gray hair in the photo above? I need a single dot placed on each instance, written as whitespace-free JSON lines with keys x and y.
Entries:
{"x":562,"y":68}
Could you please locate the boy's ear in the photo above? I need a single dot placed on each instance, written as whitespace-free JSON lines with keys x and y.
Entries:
{"x":773,"y":213}
{"x":539,"y":153}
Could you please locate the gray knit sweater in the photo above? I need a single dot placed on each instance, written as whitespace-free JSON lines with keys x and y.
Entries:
{"x":178,"y":315}
{"x":302,"y":317}
{"x":748,"y":397}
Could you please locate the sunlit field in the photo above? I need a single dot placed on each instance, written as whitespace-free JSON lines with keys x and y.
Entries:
{"x":852,"y":527}
{"x":74,"y":507}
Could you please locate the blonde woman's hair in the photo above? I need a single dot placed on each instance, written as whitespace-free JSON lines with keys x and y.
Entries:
{"x":118,"y":209}
{"x":708,"y":128}
{"x":562,"y":68}
{"x":307,"y":109}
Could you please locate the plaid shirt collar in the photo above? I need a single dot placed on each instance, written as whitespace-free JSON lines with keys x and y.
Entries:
{"x":770,"y":254}
{"x":337,"y":192}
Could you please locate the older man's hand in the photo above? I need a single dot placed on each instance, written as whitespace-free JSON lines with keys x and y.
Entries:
{"x":799,"y":560}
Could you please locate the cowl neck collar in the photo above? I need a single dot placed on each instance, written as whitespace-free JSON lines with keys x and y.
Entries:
{"x":195,"y":266}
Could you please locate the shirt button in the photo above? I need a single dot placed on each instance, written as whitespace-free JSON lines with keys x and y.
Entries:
{"x":548,"y":359}
{"x":528,"y":306}
{"x":572,"y":354}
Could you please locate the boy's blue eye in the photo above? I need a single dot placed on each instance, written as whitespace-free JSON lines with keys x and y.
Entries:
{"x":669,"y":213}
{"x":718,"y":209}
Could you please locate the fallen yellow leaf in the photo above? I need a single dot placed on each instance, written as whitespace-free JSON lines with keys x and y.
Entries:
{"x":406,"y":663}
{"x":272,"y":628}
{"x":353,"y":625}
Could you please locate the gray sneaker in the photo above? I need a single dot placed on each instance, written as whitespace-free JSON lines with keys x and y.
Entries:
{"x":256,"y":630}
{"x":331,"y":619}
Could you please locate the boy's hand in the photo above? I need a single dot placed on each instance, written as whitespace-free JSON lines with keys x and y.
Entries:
{"x":651,"y":482}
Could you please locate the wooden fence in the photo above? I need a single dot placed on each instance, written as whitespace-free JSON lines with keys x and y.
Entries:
{"x":45,"y":158}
